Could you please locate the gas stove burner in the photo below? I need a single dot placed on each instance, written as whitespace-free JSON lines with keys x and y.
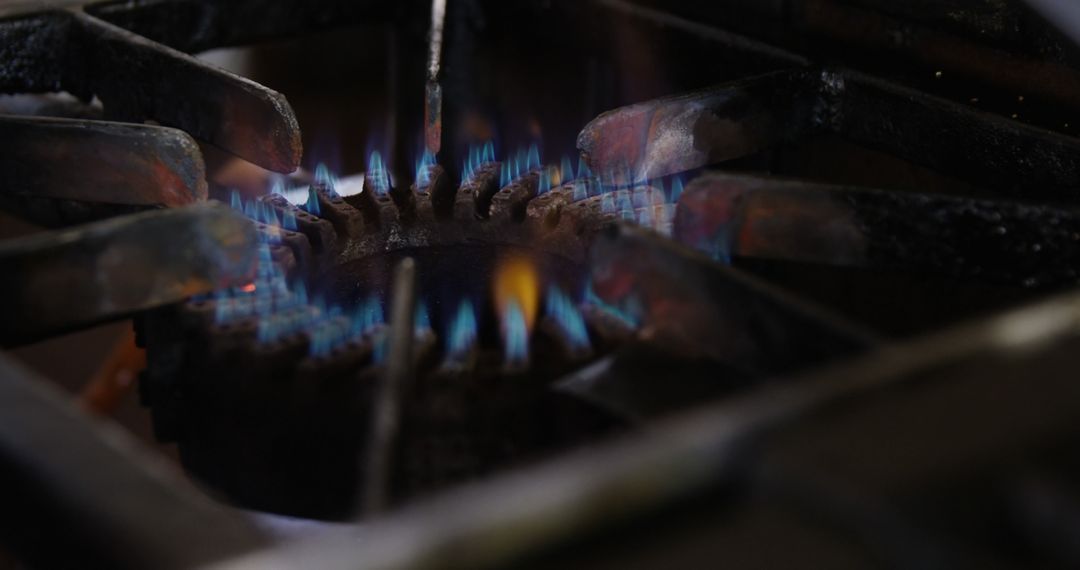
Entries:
{"x":291,"y":360}
{"x":791,"y":287}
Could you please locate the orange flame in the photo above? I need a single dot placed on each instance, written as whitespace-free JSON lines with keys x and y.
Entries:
{"x":516,"y":280}
{"x":557,"y":176}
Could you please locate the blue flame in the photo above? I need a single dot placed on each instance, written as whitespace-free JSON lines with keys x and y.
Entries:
{"x":241,"y":307}
{"x":462,"y":331}
{"x":284,"y":320}
{"x":260,"y":211}
{"x":505,"y":174}
{"x":269,"y":329}
{"x":319,"y":345}
{"x":341,"y":328}
{"x":380,"y":342}
{"x":328,"y":334}
{"x":324,"y":178}
{"x":299,"y":319}
{"x":278,"y":281}
{"x":283,"y":298}
{"x":368,"y":316}
{"x":624,"y":200}
{"x":263,"y":302}
{"x":235,"y":201}
{"x":646,"y":218}
{"x":478,"y":156}
{"x":271,"y":217}
{"x":421,"y":320}
{"x":263,"y":260}
{"x":467,"y":172}
{"x":568,"y":318}
{"x":249,"y":209}
{"x":515,"y":335}
{"x":721,"y":247}
{"x":474,"y":157}
{"x":288,"y":221}
{"x":468,"y":168}
{"x":676,"y":189}
{"x":280,"y":309}
{"x":607,"y":203}
{"x":223,"y":306}
{"x":377,"y":174}
{"x":617,"y":177}
{"x":642,"y":196}
{"x":522,"y":162}
{"x":583,"y":170}
{"x":423,"y":177}
{"x":312,"y":204}
{"x":322,"y":174}
{"x":609,"y":180}
{"x":614,"y":311}
{"x":660,"y":194}
{"x":300,"y":293}
{"x":544,"y":184}
{"x":566,"y":170}
{"x":596,"y":188}
{"x":581,"y":190}
{"x":295,"y":196}
{"x":624,"y":204}
{"x":318,"y":304}
{"x":533,"y":158}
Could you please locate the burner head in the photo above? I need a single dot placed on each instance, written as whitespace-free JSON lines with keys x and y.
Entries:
{"x":272,"y":395}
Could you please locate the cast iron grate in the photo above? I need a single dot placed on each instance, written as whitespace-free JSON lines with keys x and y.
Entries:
{"x":696,"y":315}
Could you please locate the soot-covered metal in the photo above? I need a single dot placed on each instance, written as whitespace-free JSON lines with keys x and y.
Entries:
{"x":615,"y":286}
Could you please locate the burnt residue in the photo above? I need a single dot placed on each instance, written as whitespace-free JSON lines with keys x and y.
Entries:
{"x":1002,"y":158}
{"x":993,"y":241}
{"x":979,"y":53}
{"x":53,"y":213}
{"x":138,"y":79}
{"x":199,"y":26}
{"x":1009,"y":243}
{"x":478,"y":191}
{"x":93,"y":161}
{"x":442,"y":192}
{"x":104,"y":271}
{"x":1005,"y":157}
{"x":31,"y":52}
{"x":512,"y":201}
{"x":679,"y":133}
{"x":714,"y":311}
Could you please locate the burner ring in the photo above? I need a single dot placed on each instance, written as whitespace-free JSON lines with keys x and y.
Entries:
{"x":276,"y":426}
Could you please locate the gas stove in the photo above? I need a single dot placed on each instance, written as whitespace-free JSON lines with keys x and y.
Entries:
{"x":598,"y":283}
